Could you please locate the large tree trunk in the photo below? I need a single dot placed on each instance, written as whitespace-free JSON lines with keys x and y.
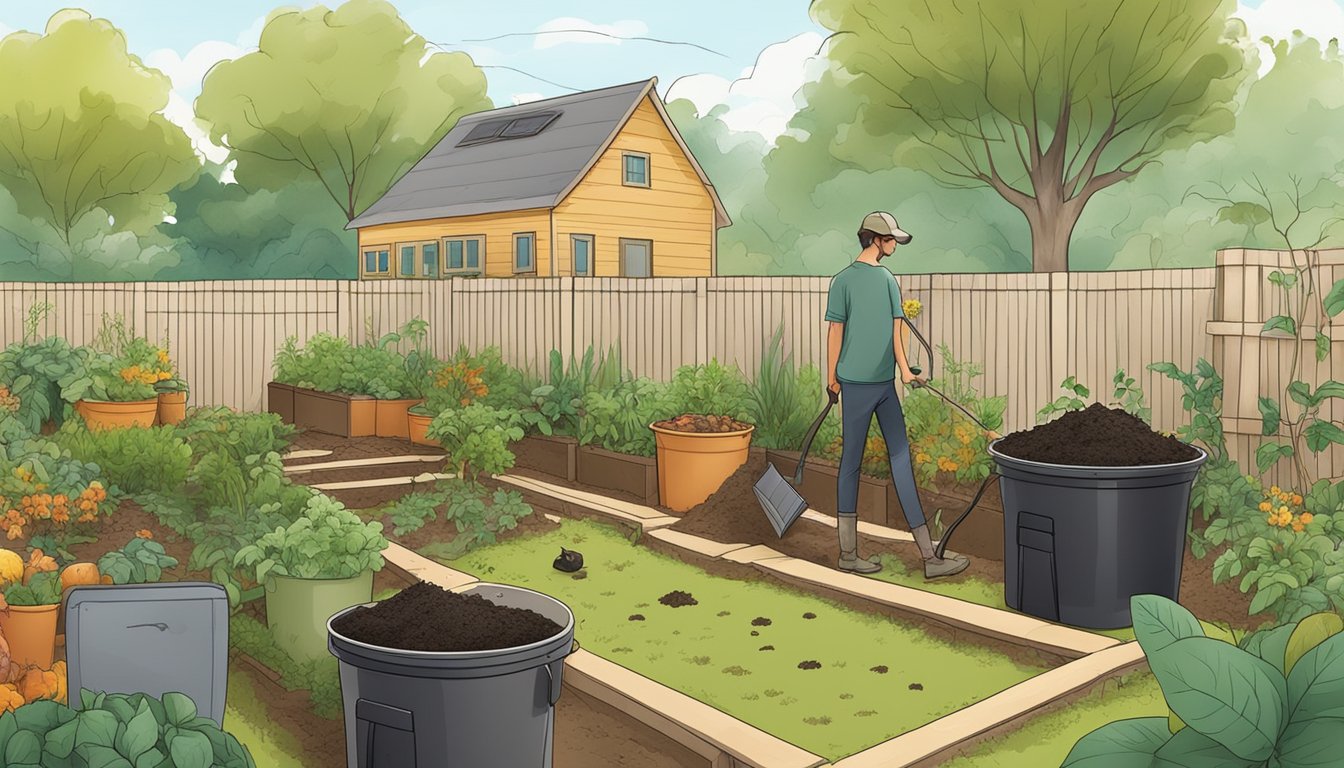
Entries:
{"x":1052,"y":222}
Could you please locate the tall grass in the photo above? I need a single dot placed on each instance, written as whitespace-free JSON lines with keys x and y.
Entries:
{"x":783,"y":399}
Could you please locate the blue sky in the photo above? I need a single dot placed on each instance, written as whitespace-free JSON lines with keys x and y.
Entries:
{"x":767,"y":47}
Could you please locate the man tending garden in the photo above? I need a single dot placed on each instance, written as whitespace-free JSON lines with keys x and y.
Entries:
{"x":863,"y":351}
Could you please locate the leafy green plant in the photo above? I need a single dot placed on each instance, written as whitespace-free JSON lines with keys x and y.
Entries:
{"x":1130,"y":396}
{"x":476,"y":438}
{"x":781,"y":398}
{"x":132,"y":460}
{"x":712,"y":388}
{"x":320,"y":677}
{"x":559,"y":402}
{"x":1071,"y":400}
{"x":1265,"y":703}
{"x":42,"y":589}
{"x":237,"y":435}
{"x":118,"y":730}
{"x":413,"y":511}
{"x":140,"y":561}
{"x":327,"y":542}
{"x":38,"y":372}
{"x":944,"y":443}
{"x":325,"y":363}
{"x":479,"y":523}
{"x":618,"y":419}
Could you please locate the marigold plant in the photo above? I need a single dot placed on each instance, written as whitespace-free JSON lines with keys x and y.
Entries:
{"x":456,"y":385}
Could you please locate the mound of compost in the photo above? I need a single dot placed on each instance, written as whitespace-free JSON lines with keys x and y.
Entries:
{"x":694,"y":422}
{"x":426,"y":617}
{"x":678,"y":599}
{"x":1096,"y":436}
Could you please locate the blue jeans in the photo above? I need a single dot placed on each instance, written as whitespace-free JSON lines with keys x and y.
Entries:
{"x":859,"y":402}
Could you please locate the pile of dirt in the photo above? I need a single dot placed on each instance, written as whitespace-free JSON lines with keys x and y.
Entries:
{"x":1096,"y":436}
{"x":678,"y":599}
{"x":694,"y":422}
{"x":426,"y":617}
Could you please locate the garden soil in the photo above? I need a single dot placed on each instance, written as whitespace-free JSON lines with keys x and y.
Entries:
{"x":1096,"y":436}
{"x":426,"y":617}
{"x":343,"y":448}
{"x":702,"y":424}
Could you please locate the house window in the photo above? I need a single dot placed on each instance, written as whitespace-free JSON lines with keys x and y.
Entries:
{"x":581,"y":247}
{"x":376,"y":261}
{"x":635,"y":169}
{"x":524,"y":252}
{"x":636,"y":258}
{"x":462,"y":254}
{"x":418,"y":260}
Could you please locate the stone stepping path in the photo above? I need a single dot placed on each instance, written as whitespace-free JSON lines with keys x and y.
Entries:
{"x":305,"y":454}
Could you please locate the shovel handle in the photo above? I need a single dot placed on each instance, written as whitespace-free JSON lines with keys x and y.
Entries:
{"x":831,"y":398}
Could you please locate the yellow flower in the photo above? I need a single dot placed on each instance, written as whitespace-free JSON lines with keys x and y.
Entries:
{"x":1265,"y":506}
{"x":1297,"y":527}
{"x":912,"y":308}
{"x":1283,"y":510}
{"x":1297,"y":499}
{"x":163,"y":356}
{"x":1306,"y":518}
{"x":164,"y":375}
{"x":1273,"y":490}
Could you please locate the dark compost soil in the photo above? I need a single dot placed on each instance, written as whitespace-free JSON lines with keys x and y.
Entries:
{"x":343,"y":448}
{"x":426,"y":617}
{"x":702,"y":424}
{"x":1096,"y":436}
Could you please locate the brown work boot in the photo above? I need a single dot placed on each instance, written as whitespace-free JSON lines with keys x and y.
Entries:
{"x":849,"y":547}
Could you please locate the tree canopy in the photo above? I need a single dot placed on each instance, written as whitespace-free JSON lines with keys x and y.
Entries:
{"x":350,"y":98}
{"x":1045,"y":108}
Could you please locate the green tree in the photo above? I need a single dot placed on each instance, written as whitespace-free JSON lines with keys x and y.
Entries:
{"x":1046,"y":108}
{"x":82,"y":134}
{"x":341,"y":97}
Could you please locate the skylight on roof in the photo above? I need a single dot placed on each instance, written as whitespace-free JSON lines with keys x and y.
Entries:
{"x":509,"y":128}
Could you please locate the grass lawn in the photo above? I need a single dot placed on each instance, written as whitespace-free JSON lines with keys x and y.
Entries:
{"x":808,"y":681}
{"x":245,"y":717}
{"x":1046,"y":740}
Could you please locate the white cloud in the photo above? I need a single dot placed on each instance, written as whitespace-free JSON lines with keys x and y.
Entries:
{"x":251,"y":37}
{"x":4,"y":30}
{"x":186,"y":73}
{"x":762,"y":99}
{"x":1280,"y":19}
{"x":627,"y":28}
{"x":523,"y":98}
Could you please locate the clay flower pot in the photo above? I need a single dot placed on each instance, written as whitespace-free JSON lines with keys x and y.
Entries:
{"x":30,"y":631}
{"x":693,"y":465}
{"x":99,"y":414}
{"x":417,"y":425}
{"x":390,"y":419}
{"x":172,"y":407}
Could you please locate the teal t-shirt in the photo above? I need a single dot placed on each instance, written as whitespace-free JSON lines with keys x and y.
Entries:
{"x":866,"y":298}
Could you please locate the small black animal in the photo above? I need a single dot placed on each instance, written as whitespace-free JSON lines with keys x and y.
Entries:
{"x":569,"y":561}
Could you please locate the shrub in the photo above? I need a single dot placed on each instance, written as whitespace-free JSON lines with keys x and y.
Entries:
{"x":132,"y":460}
{"x":709,"y":389}
{"x":476,"y":438}
{"x":618,"y":419}
{"x":36,"y":373}
{"x":43,"y":490}
{"x":1267,"y":701}
{"x":238,"y":435}
{"x":324,"y":364}
{"x":327,"y":542}
{"x":118,"y":729}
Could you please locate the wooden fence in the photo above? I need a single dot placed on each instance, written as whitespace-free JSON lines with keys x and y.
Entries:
{"x":1027,"y":332}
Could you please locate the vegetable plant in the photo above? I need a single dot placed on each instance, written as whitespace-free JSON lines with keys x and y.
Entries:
{"x":35,"y":371}
{"x":132,"y":460}
{"x":478,"y":523}
{"x":712,"y":388}
{"x":1270,"y":701}
{"x":327,"y":542}
{"x":42,"y":587}
{"x":413,"y":511}
{"x":943,"y":441}
{"x":238,"y":435}
{"x":780,"y":399}
{"x":476,"y":439}
{"x":618,"y":419}
{"x":113,"y":729}
{"x":141,"y":561}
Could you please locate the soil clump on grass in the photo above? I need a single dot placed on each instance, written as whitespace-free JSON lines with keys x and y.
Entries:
{"x":426,"y":617}
{"x":678,"y":599}
{"x":1096,"y":436}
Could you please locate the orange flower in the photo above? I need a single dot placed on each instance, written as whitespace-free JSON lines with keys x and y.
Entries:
{"x":1306,"y":518}
{"x":144,"y":533}
{"x":59,"y":499}
{"x":15,"y":531}
{"x":1298,"y":526}
{"x":1297,"y":499}
{"x":1265,"y":506}
{"x":87,"y":517}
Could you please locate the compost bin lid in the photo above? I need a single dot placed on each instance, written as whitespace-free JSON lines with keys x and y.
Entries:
{"x":149,"y":638}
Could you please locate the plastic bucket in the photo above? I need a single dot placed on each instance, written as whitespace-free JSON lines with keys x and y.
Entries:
{"x":693,"y":465}
{"x":297,"y":610}
{"x":1080,"y":541}
{"x":476,"y":709}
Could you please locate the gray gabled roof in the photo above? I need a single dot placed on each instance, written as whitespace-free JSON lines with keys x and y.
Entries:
{"x":517,"y":174}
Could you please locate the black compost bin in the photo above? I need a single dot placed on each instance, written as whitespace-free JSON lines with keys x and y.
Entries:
{"x":1078,"y":542}
{"x":473,"y":709}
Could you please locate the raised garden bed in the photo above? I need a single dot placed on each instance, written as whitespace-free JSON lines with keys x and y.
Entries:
{"x":555,"y":455}
{"x":636,"y":476}
{"x":330,"y":412}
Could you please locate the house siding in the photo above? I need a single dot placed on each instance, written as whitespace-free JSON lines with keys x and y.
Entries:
{"x":498,"y":229}
{"x":676,"y":212}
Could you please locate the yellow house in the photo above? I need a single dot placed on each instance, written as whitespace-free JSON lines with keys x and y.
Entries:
{"x":592,"y":184}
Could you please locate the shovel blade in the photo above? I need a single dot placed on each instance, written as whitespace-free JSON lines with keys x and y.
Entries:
{"x":782,"y":504}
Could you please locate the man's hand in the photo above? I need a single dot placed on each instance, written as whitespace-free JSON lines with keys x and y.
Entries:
{"x":832,"y":388}
{"x":908,"y":377}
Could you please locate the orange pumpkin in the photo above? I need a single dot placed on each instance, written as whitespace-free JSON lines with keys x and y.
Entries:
{"x":38,"y":563}
{"x":79,"y":574}
{"x":10,"y":698}
{"x":42,"y":684}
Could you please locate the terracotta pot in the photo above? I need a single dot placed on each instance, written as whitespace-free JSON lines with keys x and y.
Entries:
{"x":30,"y":631}
{"x":693,"y":465}
{"x":363,"y":417}
{"x":99,"y":414}
{"x":416,"y":427}
{"x":172,"y":408}
{"x":391,"y":418}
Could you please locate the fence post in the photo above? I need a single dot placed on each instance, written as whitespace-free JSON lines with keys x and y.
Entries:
{"x":701,"y":320}
{"x":565,"y":339}
{"x":1060,"y":327}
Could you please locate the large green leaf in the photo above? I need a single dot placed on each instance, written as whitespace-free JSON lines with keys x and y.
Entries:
{"x":1267,"y":454}
{"x":1311,"y":744}
{"x":191,"y":749}
{"x":141,"y":733}
{"x":1224,"y":693}
{"x":1316,"y":684}
{"x":1334,"y":301}
{"x":1300,"y":392}
{"x":1281,"y":323}
{"x":1322,"y":346}
{"x":1269,"y":416}
{"x":1321,"y":433}
{"x":1273,"y":645}
{"x":25,"y":747}
{"x":1122,"y":744}
{"x":1159,"y":622}
{"x":1189,"y":748}
{"x":1310,"y":632}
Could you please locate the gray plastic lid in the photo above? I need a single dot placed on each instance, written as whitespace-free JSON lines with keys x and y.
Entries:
{"x":149,"y":638}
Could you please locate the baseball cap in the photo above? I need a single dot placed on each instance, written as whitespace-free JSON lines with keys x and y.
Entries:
{"x":884,"y":223}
